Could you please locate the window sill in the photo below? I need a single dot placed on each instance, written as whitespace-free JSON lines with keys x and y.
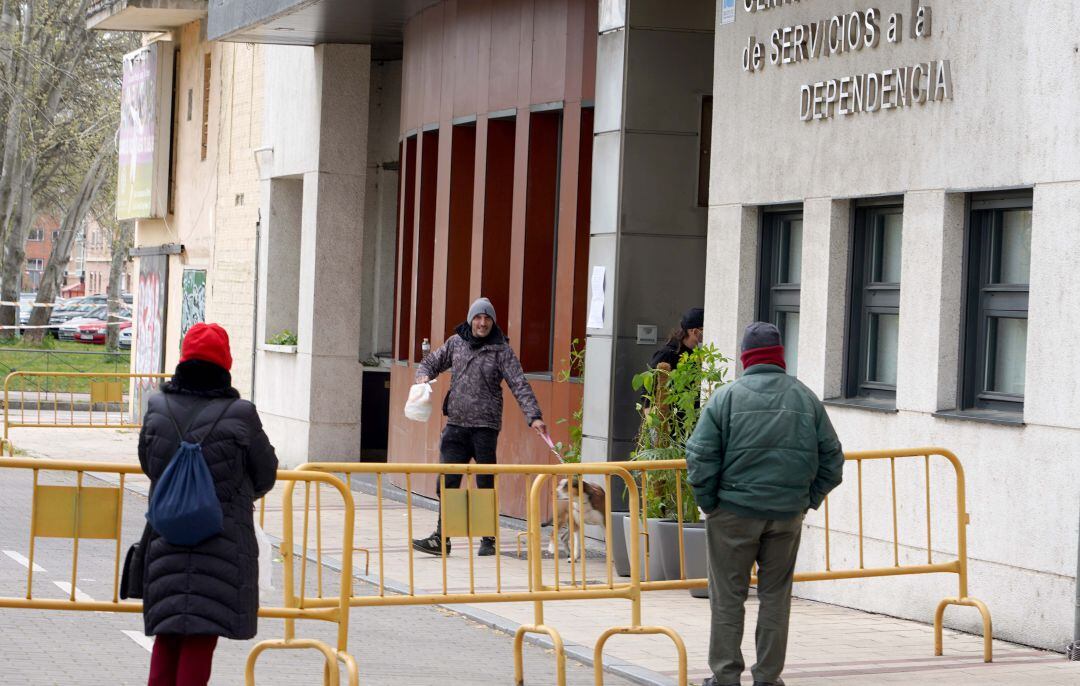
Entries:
{"x":283,"y":349}
{"x":874,"y":405}
{"x":985,"y":416}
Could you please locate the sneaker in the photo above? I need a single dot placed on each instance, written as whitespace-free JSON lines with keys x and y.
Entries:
{"x":711,"y":681}
{"x":487,"y":547}
{"x":430,"y":545}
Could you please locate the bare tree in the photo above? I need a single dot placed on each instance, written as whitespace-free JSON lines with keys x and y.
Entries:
{"x":59,"y":88}
{"x":73,"y":222}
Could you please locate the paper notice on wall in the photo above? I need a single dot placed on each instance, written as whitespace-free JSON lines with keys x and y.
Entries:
{"x":596,"y":300}
{"x":727,"y":12}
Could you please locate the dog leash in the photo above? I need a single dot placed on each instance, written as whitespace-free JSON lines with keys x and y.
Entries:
{"x":551,"y":446}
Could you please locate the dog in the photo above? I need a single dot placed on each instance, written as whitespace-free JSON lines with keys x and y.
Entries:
{"x":590,"y":509}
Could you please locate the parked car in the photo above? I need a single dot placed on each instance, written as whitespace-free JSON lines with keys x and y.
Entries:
{"x":70,"y":330}
{"x":26,"y":306}
{"x":95,"y":333}
{"x":76,"y":307}
{"x":125,"y":336}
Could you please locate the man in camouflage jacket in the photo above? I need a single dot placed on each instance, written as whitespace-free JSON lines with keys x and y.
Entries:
{"x":479,"y":359}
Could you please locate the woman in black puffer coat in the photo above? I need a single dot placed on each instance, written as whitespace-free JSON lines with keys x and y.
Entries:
{"x":192,"y":595}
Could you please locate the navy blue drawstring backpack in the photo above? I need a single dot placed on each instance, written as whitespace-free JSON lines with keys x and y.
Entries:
{"x":184,"y":508}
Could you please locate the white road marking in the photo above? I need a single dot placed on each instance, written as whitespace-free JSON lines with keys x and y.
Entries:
{"x":140,"y":638}
{"x":23,"y":561}
{"x":79,"y":595}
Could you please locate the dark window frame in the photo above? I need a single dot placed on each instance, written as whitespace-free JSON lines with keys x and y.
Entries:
{"x":867,"y":298}
{"x":776,"y":297}
{"x":984,"y":300}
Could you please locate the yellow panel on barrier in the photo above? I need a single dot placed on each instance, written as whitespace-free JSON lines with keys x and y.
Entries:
{"x":468,"y":512}
{"x":106,"y":392}
{"x":55,"y":506}
{"x":455,"y":512}
{"x":482,"y":519}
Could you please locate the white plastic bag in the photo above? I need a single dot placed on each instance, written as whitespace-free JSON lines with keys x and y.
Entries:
{"x":418,"y":406}
{"x":266,"y":560}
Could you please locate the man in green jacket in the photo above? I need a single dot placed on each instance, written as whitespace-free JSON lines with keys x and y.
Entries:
{"x":762,"y":454}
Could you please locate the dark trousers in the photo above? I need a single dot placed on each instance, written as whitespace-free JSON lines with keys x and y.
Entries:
{"x":181,"y":660}
{"x":459,"y":445}
{"x":734,"y":544}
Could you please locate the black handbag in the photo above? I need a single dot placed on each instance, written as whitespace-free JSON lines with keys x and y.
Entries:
{"x":131,"y":579}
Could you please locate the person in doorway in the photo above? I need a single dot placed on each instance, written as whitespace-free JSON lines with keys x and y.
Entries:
{"x":762,"y":455}
{"x":479,"y":359}
{"x":688,"y":336}
{"x":192,"y":595}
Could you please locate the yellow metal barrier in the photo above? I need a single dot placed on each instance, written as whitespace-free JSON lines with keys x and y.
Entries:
{"x":472,"y":512}
{"x":82,"y":513}
{"x":954,"y":565}
{"x":75,"y":400}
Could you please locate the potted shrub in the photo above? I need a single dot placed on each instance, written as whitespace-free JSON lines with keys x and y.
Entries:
{"x":670,"y":404}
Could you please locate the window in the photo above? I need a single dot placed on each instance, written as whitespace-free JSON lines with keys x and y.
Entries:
{"x":780,"y":277}
{"x":55,"y":236}
{"x":541,"y":234}
{"x":283,"y":256}
{"x":998,"y":274}
{"x":874,"y":312}
{"x":36,"y":234}
{"x":35,"y":264}
{"x":704,"y":151}
{"x":205,"y":104}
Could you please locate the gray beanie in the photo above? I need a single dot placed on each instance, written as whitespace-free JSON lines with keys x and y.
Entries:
{"x":481,"y":306}
{"x":760,"y":335}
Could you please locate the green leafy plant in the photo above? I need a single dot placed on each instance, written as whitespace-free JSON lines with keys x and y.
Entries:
{"x":670,"y":405}
{"x":571,"y":450}
{"x":286,"y":337}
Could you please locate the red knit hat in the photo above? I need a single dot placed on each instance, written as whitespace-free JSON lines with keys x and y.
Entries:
{"x":209,"y":343}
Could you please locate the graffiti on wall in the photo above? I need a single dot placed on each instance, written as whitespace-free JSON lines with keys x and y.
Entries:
{"x":193,"y":310}
{"x":150,"y":323}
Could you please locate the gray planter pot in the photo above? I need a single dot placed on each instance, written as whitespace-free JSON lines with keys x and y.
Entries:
{"x":620,"y":558}
{"x":697,"y":559}
{"x":655,"y":558}
{"x":666,"y":542}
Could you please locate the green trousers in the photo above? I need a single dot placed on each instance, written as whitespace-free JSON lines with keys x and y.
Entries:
{"x":734,"y":544}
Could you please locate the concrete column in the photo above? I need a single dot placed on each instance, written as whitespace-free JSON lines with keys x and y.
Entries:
{"x":1052,"y":392}
{"x":931,"y":298}
{"x":823,"y":298}
{"x":310,"y":400}
{"x":731,"y":282}
{"x":654,"y":65}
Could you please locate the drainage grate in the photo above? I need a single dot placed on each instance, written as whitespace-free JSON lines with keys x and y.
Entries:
{"x":1072,"y":651}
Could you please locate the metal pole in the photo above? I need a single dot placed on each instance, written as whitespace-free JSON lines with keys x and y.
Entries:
{"x":1073,"y":651}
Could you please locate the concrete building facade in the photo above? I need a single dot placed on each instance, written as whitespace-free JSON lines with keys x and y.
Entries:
{"x":209,"y":234}
{"x":936,"y":202}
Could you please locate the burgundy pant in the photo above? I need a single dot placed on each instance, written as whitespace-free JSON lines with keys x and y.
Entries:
{"x":181,"y":660}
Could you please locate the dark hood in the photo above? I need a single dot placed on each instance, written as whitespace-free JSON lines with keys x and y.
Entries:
{"x":496,"y":337}
{"x":203,"y":379}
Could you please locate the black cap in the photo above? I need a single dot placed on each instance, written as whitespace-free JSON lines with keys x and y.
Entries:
{"x":694,"y":318}
{"x":760,"y":335}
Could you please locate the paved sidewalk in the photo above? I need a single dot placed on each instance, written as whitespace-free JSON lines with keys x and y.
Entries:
{"x":829,"y":644}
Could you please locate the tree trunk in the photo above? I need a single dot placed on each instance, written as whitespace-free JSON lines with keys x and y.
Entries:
{"x":14,"y":256}
{"x":120,"y":245}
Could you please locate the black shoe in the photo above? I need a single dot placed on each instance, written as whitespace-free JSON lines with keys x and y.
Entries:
{"x":430,"y":545}
{"x":711,"y":681}
{"x":487,"y":547}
